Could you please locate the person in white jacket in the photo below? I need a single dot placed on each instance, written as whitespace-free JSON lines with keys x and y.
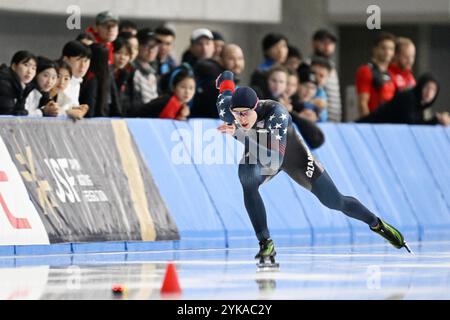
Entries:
{"x":67,"y":107}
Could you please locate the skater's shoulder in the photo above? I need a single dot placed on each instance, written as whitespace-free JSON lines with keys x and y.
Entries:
{"x":270,"y":109}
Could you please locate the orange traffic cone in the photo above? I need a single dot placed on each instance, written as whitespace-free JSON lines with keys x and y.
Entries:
{"x":170,"y":283}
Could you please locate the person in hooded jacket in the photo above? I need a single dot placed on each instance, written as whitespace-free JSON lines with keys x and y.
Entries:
{"x":408,"y":107}
{"x":15,"y":83}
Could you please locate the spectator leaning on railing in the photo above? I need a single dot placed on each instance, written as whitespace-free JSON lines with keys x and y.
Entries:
{"x":78,"y":56}
{"x":57,"y":94}
{"x":408,"y":106}
{"x":38,"y":102}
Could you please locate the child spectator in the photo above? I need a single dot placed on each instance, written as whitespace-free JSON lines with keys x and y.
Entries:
{"x":15,"y":83}
{"x":374,"y":84}
{"x":64,"y":102}
{"x":145,"y":83}
{"x":307,"y":90}
{"x":173,"y":106}
{"x":78,"y":56}
{"x":321,"y":68}
{"x":38,"y":102}
{"x":312,"y":134}
{"x":294,"y":58}
{"x":291,"y":90}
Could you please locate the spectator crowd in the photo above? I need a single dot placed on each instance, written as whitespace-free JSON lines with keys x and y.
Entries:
{"x":115,"y":69}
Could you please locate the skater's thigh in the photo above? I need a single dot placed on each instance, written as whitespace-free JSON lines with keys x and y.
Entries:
{"x":250,"y":175}
{"x":299,"y":176}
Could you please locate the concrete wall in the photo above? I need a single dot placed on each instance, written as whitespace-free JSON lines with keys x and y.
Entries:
{"x":46,"y":34}
{"x":215,"y":10}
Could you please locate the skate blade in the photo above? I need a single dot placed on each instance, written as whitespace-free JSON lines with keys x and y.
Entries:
{"x":407,"y":248}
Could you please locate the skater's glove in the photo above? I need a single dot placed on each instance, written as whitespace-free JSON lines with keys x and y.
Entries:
{"x":225,"y":81}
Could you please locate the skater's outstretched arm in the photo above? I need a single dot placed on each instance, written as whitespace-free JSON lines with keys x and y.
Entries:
{"x":226,"y":86}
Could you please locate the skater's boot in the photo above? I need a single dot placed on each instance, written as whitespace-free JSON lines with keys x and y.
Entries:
{"x":392,"y":235}
{"x":266,"y":249}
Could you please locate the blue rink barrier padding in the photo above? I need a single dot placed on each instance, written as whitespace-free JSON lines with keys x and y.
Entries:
{"x":401,"y":173}
{"x":381,"y":196}
{"x":415,"y":178}
{"x":180,"y":185}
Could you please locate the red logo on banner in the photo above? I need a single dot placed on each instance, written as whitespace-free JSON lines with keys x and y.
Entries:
{"x":17,"y":223}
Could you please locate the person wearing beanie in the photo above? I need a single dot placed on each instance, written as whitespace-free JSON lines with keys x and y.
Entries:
{"x":272,"y":145}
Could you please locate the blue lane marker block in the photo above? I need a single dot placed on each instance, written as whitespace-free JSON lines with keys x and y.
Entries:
{"x":99,"y":247}
{"x":59,"y":248}
{"x":6,"y":251}
{"x":136,"y":246}
{"x":53,"y":261}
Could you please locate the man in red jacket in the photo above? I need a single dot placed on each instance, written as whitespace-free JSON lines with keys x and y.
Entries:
{"x":374,"y":84}
{"x":401,"y":66}
{"x":105,"y":31}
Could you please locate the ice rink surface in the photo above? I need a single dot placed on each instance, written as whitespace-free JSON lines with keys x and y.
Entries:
{"x":326,"y":272}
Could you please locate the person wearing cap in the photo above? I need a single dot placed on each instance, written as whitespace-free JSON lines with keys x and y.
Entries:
{"x":324,"y":47}
{"x":145,"y":81}
{"x":105,"y":31}
{"x":272,"y":145}
{"x":202,"y":47}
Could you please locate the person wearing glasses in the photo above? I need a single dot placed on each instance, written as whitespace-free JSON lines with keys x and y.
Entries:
{"x":271,"y":145}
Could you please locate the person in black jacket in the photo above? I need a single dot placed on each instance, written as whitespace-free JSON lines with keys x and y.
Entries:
{"x":408,"y":107}
{"x":98,"y":89}
{"x":15,"y":83}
